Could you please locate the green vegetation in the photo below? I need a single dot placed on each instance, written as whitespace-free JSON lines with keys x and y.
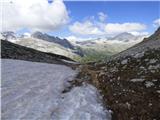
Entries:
{"x":91,"y":55}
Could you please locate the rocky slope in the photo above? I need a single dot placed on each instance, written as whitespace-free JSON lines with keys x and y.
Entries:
{"x":138,"y":49}
{"x":13,"y":51}
{"x":9,"y":35}
{"x":63,"y":42}
{"x":46,"y":46}
{"x":130,"y":81}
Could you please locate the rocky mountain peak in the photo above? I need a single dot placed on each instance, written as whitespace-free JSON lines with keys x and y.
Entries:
{"x":64,"y":42}
{"x":124,"y":37}
{"x":9,"y":35}
{"x":37,"y":33}
{"x":152,"y":42}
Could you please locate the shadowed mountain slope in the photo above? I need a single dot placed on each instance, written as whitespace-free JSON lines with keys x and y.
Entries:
{"x":13,"y":51}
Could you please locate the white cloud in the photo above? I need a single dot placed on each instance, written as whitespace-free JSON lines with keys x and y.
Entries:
{"x":139,"y":33}
{"x":114,"y":28}
{"x":85,"y":28}
{"x":101,"y":28}
{"x":156,"y":22}
{"x":33,"y":14}
{"x":102,"y":16}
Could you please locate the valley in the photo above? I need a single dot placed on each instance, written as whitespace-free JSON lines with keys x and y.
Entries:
{"x":81,"y":51}
{"x":125,"y":86}
{"x":80,"y":60}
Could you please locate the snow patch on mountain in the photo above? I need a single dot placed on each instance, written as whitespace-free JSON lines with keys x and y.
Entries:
{"x":46,"y":46}
{"x":9,"y":35}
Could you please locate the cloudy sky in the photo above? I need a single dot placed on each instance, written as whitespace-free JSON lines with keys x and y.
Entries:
{"x":79,"y":19}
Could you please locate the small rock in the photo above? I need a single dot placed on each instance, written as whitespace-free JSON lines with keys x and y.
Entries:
{"x":149,"y":84}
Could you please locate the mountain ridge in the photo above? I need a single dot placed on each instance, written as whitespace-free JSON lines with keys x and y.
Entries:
{"x":44,"y":36}
{"x":124,"y":37}
{"x":147,"y":43}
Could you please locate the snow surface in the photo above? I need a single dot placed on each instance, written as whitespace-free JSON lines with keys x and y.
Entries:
{"x":81,"y":103}
{"x":32,"y":90}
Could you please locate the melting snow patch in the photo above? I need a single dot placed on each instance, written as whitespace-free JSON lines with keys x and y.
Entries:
{"x":32,"y":90}
{"x":81,"y":103}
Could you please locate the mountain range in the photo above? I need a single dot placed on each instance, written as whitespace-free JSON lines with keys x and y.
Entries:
{"x":63,"y":42}
{"x":86,"y":50}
